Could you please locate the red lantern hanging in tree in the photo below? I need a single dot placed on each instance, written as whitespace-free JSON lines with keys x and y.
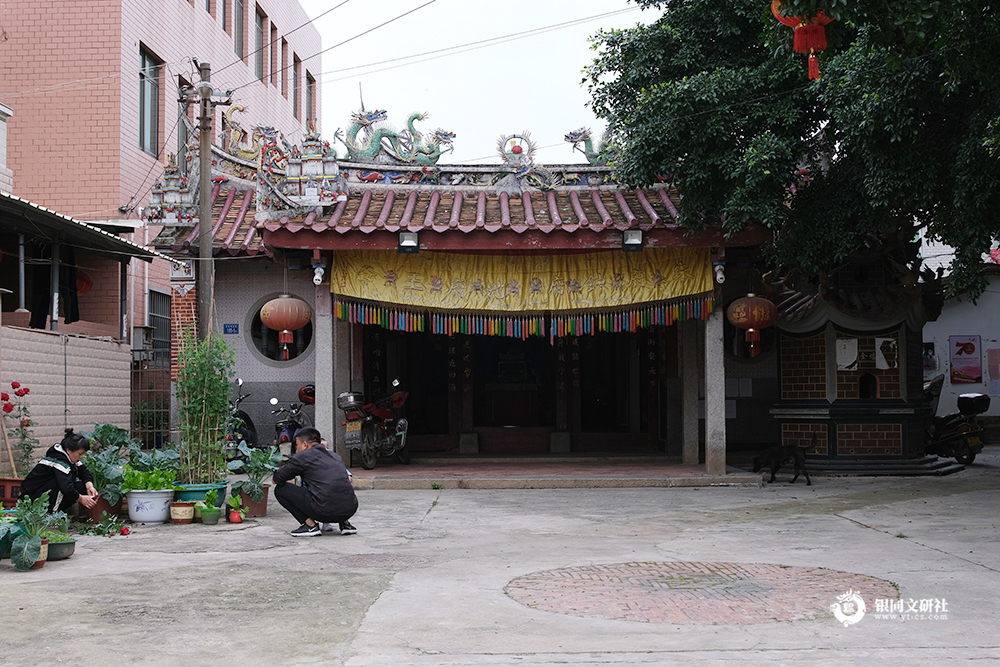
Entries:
{"x":810,"y":34}
{"x":752,"y":313}
{"x":285,"y":314}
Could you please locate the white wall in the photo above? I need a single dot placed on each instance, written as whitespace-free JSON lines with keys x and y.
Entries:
{"x":961,"y":318}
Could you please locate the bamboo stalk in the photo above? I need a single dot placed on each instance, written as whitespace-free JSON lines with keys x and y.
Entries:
{"x":10,"y":453}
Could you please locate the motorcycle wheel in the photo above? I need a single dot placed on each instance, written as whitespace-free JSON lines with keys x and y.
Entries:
{"x":368,"y":454}
{"x":965,"y":455}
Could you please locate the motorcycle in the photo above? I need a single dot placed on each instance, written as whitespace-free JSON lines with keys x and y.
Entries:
{"x":957,"y":435}
{"x":375,"y":428}
{"x":240,"y":426}
{"x":291,"y":418}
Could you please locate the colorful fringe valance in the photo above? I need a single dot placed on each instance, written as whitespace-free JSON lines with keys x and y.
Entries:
{"x":554,"y":325}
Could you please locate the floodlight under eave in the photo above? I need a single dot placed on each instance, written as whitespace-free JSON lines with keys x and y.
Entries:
{"x":409,"y":242}
{"x":632,"y":240}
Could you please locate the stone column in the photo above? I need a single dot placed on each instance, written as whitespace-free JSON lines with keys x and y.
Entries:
{"x":715,"y":396}
{"x":690,"y":376}
{"x":341,"y":379}
{"x":323,"y":335}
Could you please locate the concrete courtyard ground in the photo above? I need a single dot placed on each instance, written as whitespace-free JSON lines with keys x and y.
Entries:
{"x":697,"y":575}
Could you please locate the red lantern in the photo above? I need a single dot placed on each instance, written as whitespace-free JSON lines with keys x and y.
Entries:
{"x":752,"y":313}
{"x":83,"y":282}
{"x":285,"y":314}
{"x":810,"y":35}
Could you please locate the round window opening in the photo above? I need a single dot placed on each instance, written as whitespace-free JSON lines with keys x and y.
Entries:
{"x":268,"y":341}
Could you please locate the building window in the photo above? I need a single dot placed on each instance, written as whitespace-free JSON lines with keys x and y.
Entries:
{"x":208,"y":6}
{"x":149,"y":102}
{"x":284,"y":68}
{"x":296,"y":67}
{"x":310,"y":96}
{"x":258,"y":59}
{"x":238,"y":31}
{"x":159,"y":319}
{"x":274,"y":55}
{"x":224,"y":13}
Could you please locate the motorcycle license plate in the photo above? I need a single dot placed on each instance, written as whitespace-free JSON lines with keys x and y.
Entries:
{"x":353,"y":426}
{"x":973,"y":441}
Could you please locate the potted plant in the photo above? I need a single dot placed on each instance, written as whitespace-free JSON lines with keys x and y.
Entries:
{"x":106,"y":468}
{"x":62,"y":545}
{"x":236,"y":510}
{"x":258,"y":464}
{"x":182,"y":511}
{"x":148,"y":493}
{"x":205,"y":372}
{"x":28,"y":548}
{"x":207,"y":509}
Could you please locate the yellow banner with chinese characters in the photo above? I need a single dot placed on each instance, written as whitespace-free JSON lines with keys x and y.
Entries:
{"x":521,"y":283}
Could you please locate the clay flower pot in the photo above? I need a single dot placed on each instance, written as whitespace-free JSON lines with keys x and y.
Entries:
{"x":43,"y":555}
{"x":182,"y":511}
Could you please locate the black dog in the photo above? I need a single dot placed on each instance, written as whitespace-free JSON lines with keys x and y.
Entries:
{"x":775,"y":457}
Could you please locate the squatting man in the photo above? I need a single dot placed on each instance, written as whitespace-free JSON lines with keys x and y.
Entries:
{"x":326,"y":495}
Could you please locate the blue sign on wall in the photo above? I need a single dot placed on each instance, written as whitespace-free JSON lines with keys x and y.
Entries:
{"x":230,"y":328}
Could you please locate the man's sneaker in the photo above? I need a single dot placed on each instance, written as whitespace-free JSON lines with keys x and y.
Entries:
{"x":347,"y":529}
{"x":305,"y":530}
{"x":326,"y":528}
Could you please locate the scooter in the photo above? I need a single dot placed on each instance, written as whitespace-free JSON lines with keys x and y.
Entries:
{"x":375,"y":428}
{"x":240,"y":426}
{"x":291,"y":418}
{"x":957,"y":435}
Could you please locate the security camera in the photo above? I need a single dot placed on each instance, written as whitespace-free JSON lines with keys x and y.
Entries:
{"x":318,"y":275}
{"x":720,"y":274}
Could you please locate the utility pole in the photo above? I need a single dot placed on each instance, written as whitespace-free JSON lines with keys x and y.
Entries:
{"x":205,"y":271}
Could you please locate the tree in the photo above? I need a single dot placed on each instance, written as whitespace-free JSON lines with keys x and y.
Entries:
{"x":900,"y":131}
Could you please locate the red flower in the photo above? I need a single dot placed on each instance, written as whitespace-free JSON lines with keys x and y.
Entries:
{"x":25,"y":390}
{"x":25,"y":422}
{"x":8,"y":408}
{"x":15,"y":385}
{"x":4,"y":396}
{"x":125,"y":530}
{"x":20,"y":392}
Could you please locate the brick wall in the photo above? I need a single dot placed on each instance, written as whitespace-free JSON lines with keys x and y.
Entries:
{"x":808,"y":435}
{"x":183,"y":315}
{"x":803,"y":367}
{"x":870,"y":439}
{"x":74,"y":381}
{"x":889,"y":384}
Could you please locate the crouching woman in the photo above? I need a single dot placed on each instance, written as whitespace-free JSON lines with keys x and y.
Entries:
{"x":63,"y":475}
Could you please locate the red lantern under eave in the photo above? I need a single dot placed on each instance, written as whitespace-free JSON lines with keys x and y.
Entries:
{"x":810,"y":35}
{"x":752,"y":313}
{"x":285,"y":314}
{"x":84,"y":282}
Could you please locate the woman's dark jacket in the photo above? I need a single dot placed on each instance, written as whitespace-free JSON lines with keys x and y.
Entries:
{"x":58,"y":476}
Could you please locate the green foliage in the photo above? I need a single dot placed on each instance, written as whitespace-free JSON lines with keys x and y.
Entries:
{"x":33,"y":517}
{"x":106,"y":469}
{"x":147,"y":480}
{"x":258,"y":465}
{"x":205,"y":372}
{"x":108,"y":526}
{"x":211,"y":497}
{"x":895,"y":134}
{"x":168,"y":458}
{"x":57,"y":536}
{"x":110,"y":436}
{"x":22,"y":435}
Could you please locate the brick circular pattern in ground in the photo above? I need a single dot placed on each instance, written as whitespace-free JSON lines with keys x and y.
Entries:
{"x":694,"y":593}
{"x":385,"y":561}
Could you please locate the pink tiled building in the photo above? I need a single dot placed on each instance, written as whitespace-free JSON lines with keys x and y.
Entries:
{"x":94,"y":87}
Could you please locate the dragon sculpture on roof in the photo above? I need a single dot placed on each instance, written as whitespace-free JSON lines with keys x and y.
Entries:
{"x":384,"y":144}
{"x":605,"y":151}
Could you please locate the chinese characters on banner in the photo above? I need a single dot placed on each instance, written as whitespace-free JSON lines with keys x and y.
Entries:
{"x":966,"y":359}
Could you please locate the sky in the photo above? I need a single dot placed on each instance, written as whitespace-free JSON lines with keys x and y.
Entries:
{"x":531,"y":83}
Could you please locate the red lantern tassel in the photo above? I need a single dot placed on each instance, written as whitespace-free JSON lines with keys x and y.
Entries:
{"x":753,"y":337}
{"x":813,"y":66}
{"x":809,"y":38}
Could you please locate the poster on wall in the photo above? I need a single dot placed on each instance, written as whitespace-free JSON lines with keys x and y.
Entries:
{"x":966,"y":360}
{"x":847,"y":354}
{"x":886,"y":353}
{"x":993,"y":371}
{"x":930,"y":359}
